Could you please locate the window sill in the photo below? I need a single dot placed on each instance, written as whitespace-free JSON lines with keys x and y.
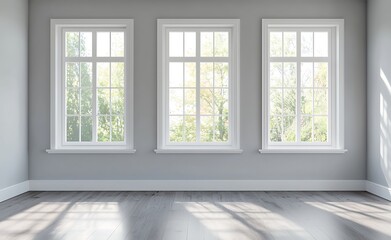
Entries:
{"x":90,"y":151}
{"x":334,"y":151}
{"x":198,"y":151}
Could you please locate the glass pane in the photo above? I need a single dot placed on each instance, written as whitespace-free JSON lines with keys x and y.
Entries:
{"x":206,"y":96}
{"x":176,"y":74}
{"x":86,"y":101}
{"x":86,"y":74}
{"x":176,"y":44}
{"x":103,"y":44}
{"x":103,"y":74}
{"x":190,"y":101}
{"x":176,"y":128}
{"x":320,"y":101}
{"x":221,"y":101}
{"x":307,"y":44}
{"x":275,"y":74}
{"x":221,"y":74}
{"x":72,"y":74}
{"x":104,"y":101}
{"x":117,"y":74}
{"x":72,"y":101}
{"x":290,"y":74}
{"x":206,"y":75}
{"x":71,"y":44}
{"x":221,"y":128}
{"x":190,"y":129}
{"x":206,"y":44}
{"x":221,"y":44}
{"x":290,"y":101}
{"x":276,"y":44}
{"x":86,"y":44}
{"x":306,"y":101}
{"x":86,"y":129}
{"x":320,"y":129}
{"x":118,"y":129}
{"x":275,"y":129}
{"x":306,"y":129}
{"x":176,"y":101}
{"x":103,"y":129}
{"x":206,"y":129}
{"x":290,"y":44}
{"x":190,"y":74}
{"x":289,"y":134}
{"x":117,"y":44}
{"x":321,"y":74}
{"x":190,"y":44}
{"x":321,"y":46}
{"x":307,"y":74}
{"x":72,"y":129}
{"x":275,"y":101}
{"x":117,"y":101}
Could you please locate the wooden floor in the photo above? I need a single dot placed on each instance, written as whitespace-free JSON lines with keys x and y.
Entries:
{"x":195,"y":215}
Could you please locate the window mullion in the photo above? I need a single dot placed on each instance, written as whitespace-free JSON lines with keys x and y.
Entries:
{"x":198,"y":97}
{"x":94,"y":89}
{"x":298,"y":87}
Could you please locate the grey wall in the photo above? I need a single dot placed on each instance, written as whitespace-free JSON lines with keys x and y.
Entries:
{"x":145,"y":164}
{"x":13,"y":92}
{"x":379,"y":92}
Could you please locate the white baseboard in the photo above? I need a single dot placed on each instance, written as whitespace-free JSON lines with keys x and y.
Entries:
{"x":14,"y":190}
{"x":197,"y":185}
{"x":379,"y":190}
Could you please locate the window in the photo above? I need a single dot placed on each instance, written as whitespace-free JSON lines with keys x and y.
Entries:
{"x":198,"y":86}
{"x":92,"y":86}
{"x":302,"y":85}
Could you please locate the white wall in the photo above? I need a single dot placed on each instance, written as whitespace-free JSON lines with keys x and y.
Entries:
{"x":145,"y":164}
{"x":13,"y":92}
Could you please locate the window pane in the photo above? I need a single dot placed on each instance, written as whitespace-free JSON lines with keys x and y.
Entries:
{"x":71,"y":44}
{"x":290,"y":74}
{"x":190,"y":44}
{"x":86,"y":44}
{"x":72,"y":101}
{"x":176,"y":101}
{"x":117,"y":74}
{"x":276,"y":44}
{"x":289,"y":134}
{"x":221,"y":74}
{"x":86,"y":74}
{"x":103,"y":74}
{"x":86,"y":129}
{"x":72,"y":74}
{"x":320,"y":101}
{"x":289,"y":44}
{"x":306,"y":101}
{"x":289,"y":101}
{"x":190,"y":129}
{"x":117,"y":101}
{"x":190,"y":74}
{"x":221,"y":44}
{"x":104,"y":101}
{"x":103,"y":129}
{"x":221,"y":128}
{"x":190,"y":101}
{"x":321,"y":44}
{"x":275,"y":74}
{"x":221,"y":101}
{"x":176,"y":74}
{"x":176,"y":129}
{"x":118,"y":129}
{"x":206,"y":96}
{"x":206,"y":129}
{"x":72,"y":129}
{"x":307,"y":74}
{"x":206,"y":75}
{"x":103,"y":44}
{"x":176,"y":44}
{"x":86,"y":101}
{"x":275,"y":101}
{"x":321,"y":74}
{"x":320,"y":129}
{"x":307,"y":44}
{"x":117,"y":44}
{"x":275,"y":126}
{"x":206,"y":44}
{"x":306,"y":129}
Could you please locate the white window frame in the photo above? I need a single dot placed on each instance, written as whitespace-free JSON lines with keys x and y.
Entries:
{"x":336,"y":87}
{"x":164,"y":25}
{"x":57,"y":87}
